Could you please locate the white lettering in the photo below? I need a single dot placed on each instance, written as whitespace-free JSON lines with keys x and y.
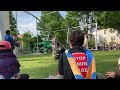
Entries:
{"x":85,"y":63}
{"x":79,"y":64}
{"x":77,"y":58}
{"x":80,"y":58}
{"x":83,"y":70}
{"x":83,"y":58}
{"x":86,"y":69}
{"x":82,"y":63}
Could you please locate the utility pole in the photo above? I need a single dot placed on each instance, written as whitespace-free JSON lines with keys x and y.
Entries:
{"x":37,"y":37}
{"x":96,"y":32}
{"x":16,"y":48}
{"x":36,"y":24}
{"x":68,"y":36}
{"x":16,"y":24}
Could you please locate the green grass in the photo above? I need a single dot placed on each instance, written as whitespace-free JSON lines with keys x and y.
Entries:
{"x":39,"y":66}
{"x":106,"y":60}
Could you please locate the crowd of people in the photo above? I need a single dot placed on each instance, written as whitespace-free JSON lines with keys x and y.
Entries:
{"x":111,"y":47}
{"x":74,"y":63}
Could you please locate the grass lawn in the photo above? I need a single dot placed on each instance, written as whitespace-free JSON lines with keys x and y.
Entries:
{"x":39,"y":66}
{"x":106,"y":60}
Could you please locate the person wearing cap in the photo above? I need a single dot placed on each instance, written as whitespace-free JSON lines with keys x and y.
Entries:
{"x":9,"y":65}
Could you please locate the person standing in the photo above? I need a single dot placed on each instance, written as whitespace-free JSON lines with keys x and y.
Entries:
{"x":9,"y":38}
{"x":54,"y":45}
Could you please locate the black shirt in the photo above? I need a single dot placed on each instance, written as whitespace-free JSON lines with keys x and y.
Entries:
{"x":64,"y":67}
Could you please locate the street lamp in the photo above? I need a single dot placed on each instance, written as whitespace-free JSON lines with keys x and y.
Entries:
{"x":68,"y":31}
{"x":96,"y":32}
{"x":37,"y":36}
{"x":16,"y":24}
{"x":36,"y":24}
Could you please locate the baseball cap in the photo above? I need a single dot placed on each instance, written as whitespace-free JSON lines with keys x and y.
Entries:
{"x":5,"y":45}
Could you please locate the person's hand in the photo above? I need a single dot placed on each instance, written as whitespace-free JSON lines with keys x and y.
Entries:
{"x":110,"y":74}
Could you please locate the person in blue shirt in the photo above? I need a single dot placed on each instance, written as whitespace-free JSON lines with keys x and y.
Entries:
{"x":9,"y":38}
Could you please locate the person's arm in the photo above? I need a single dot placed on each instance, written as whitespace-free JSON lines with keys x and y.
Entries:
{"x":9,"y":38}
{"x":60,"y":64}
{"x":113,"y":74}
{"x":60,"y":68}
{"x":117,"y":74}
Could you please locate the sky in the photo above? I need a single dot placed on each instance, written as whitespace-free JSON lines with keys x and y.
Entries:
{"x":26,"y":22}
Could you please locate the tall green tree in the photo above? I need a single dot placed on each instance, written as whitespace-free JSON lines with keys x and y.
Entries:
{"x":74,"y":17}
{"x":49,"y":25}
{"x":12,"y":23}
{"x":109,"y":19}
{"x":27,"y":39}
{"x":55,"y":22}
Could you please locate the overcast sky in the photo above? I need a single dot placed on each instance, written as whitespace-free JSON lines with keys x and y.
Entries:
{"x":26,"y":22}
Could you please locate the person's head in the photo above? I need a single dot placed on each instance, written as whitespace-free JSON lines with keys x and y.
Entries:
{"x":76,"y":38}
{"x":5,"y":46}
{"x":8,"y":32}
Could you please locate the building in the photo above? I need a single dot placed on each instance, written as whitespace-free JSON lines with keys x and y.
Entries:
{"x":107,"y":36}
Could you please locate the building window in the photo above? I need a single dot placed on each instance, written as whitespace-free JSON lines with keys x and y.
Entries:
{"x":112,"y":38}
{"x":112,"y":30}
{"x":105,"y":39}
{"x":104,"y":31}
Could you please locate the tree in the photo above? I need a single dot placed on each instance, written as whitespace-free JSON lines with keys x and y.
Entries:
{"x":109,"y":19}
{"x":49,"y":25}
{"x":74,"y":18}
{"x":27,"y":39}
{"x":12,"y":24}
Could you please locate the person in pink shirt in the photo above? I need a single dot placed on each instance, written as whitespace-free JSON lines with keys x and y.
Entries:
{"x":54,"y":45}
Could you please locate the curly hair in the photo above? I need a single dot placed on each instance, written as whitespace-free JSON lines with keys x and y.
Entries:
{"x":76,"y":38}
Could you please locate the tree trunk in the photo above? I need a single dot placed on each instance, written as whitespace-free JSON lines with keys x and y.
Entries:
{"x":86,"y":41}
